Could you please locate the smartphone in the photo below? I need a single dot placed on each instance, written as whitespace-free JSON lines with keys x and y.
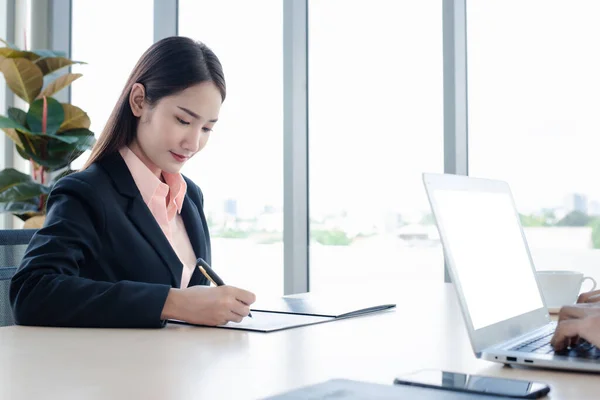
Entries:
{"x":475,"y":384}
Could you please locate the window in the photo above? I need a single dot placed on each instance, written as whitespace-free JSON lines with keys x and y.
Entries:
{"x":376,"y":123}
{"x":110,"y":41}
{"x":533,"y":120}
{"x":21,"y":24}
{"x":240,"y":170}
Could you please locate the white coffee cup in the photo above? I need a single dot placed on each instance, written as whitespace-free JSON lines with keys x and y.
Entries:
{"x":561,"y":288}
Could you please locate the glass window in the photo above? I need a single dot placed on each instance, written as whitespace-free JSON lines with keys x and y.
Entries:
{"x":240,"y":170}
{"x":376,"y":123}
{"x":105,"y":36}
{"x":533,"y":120}
{"x":21,"y":39}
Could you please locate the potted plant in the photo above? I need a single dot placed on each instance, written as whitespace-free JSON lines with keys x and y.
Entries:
{"x":50,"y":134}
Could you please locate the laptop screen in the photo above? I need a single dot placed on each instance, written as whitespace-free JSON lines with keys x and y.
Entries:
{"x":490,"y":256}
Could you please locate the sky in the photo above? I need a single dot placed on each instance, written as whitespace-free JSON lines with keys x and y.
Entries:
{"x":534,"y":97}
{"x":375,"y":96}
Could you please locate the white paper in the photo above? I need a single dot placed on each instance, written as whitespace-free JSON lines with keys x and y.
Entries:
{"x":267,"y":321}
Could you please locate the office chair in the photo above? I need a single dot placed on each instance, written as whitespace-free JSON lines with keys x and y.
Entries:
{"x":13,"y":243}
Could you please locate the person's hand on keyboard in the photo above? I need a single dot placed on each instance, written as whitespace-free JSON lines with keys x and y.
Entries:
{"x":581,"y":321}
{"x":578,"y":311}
{"x":590,"y":297}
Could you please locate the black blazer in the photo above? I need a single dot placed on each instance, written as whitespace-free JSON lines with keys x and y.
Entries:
{"x":101,"y":259}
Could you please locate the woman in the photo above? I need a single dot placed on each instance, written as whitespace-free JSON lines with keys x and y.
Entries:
{"x":580,"y":321}
{"x":121,"y":237}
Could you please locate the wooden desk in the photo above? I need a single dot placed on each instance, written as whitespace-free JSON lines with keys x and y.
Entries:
{"x":178,"y":362}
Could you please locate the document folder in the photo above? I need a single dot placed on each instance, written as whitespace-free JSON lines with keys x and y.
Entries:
{"x":294,"y":311}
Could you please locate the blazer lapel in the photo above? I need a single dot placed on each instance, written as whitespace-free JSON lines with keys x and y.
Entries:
{"x":139,"y":213}
{"x":191,"y":219}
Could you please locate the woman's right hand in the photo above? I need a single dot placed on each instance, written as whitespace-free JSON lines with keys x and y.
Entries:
{"x":205,"y":305}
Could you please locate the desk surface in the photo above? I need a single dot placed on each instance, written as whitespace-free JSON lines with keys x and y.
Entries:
{"x":181,"y":362}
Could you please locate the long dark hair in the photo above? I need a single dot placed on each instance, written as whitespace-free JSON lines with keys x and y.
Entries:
{"x":169,"y":66}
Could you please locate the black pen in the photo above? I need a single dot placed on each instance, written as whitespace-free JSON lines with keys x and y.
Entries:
{"x":211,"y":275}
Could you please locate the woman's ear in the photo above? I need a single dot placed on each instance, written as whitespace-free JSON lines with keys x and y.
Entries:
{"x":136,"y":99}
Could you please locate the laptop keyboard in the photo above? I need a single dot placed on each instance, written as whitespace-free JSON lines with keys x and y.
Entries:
{"x":541,"y":345}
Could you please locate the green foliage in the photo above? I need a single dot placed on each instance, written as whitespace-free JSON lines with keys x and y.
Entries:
{"x":35,"y":116}
{"x":534,"y":220}
{"x":17,"y":186}
{"x":331,"y":238}
{"x":595,"y":225}
{"x":50,"y":134}
{"x":574,"y":218}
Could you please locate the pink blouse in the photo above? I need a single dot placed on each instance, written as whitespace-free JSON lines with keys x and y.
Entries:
{"x":164,"y":202}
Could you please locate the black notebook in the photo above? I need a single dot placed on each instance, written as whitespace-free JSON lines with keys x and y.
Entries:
{"x":321,"y":306}
{"x":277,"y":314}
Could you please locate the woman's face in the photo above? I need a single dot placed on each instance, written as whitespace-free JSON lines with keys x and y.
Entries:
{"x":176,"y":127}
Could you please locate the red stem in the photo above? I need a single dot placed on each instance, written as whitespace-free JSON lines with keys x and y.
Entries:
{"x":45,"y":115}
{"x":33,"y":170}
{"x":44,"y":127}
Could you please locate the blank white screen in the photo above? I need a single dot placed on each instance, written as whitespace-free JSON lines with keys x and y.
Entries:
{"x":490,"y":256}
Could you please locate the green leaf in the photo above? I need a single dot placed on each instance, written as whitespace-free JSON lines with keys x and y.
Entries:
{"x":28,"y":143}
{"x":51,"y":162}
{"x":81,"y":138}
{"x":55,"y":151}
{"x":11,"y":133}
{"x":49,"y":53}
{"x":7,"y":52}
{"x":52,"y":64}
{"x":40,"y":136}
{"x":10,"y":176}
{"x":13,"y":53}
{"x":55,"y":116}
{"x":16,"y":186}
{"x":27,"y":207}
{"x":17,"y":115}
{"x":58,"y":84}
{"x":69,"y":140}
{"x":11,"y":45}
{"x":23,"y":77}
{"x":35,"y":144}
{"x":23,"y":191}
{"x":9,"y":123}
{"x":70,"y":151}
{"x":75,"y":118}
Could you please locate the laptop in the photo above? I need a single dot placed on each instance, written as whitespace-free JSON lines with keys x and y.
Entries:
{"x":494,"y":277}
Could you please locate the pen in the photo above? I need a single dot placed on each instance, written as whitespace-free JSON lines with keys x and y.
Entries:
{"x":211,"y":275}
